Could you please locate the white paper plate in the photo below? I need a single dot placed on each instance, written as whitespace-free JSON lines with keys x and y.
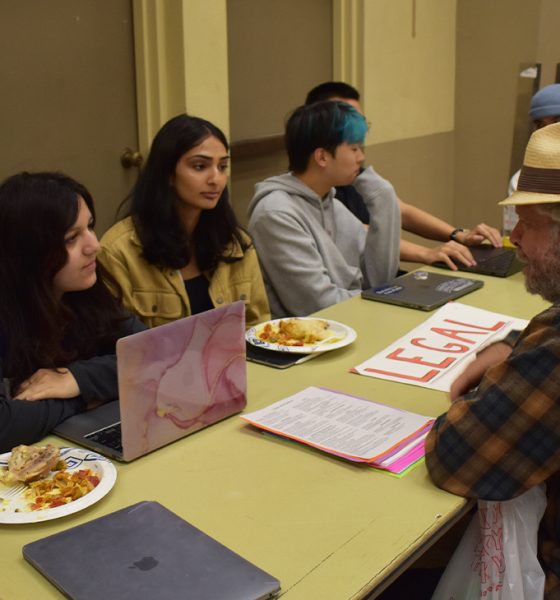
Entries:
{"x":76,"y":459}
{"x":344,"y":335}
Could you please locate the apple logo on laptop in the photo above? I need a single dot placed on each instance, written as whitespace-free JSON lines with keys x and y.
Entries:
{"x":145,"y":564}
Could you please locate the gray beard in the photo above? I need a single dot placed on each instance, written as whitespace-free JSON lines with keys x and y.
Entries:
{"x":544,"y":278}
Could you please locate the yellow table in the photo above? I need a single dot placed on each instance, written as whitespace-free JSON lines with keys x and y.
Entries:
{"x":326,"y":528}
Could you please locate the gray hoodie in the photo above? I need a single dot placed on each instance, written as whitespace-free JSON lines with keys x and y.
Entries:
{"x":314,"y":252}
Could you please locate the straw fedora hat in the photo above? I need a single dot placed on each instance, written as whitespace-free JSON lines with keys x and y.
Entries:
{"x":539,"y":182}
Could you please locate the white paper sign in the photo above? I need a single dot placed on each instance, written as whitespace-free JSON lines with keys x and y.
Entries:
{"x":433,"y":354}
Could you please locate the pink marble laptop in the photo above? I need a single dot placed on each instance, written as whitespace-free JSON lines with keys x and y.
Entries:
{"x":178,"y":378}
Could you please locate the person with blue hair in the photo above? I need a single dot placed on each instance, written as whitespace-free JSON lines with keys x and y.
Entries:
{"x":455,"y":240}
{"x":313,"y":251}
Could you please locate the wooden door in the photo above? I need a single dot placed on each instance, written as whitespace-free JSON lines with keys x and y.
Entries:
{"x":67,"y":93}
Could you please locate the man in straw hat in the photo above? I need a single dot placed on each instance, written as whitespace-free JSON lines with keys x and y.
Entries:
{"x":501,"y":435}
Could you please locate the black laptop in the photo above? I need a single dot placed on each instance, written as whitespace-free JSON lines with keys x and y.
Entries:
{"x":497,"y":262}
{"x":146,"y":552}
{"x":422,"y":290}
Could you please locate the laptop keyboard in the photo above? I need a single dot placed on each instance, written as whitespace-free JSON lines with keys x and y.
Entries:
{"x":110,"y":436}
{"x":494,"y":263}
{"x":490,"y":261}
{"x":501,"y":261}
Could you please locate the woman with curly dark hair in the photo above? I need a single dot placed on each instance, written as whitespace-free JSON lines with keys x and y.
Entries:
{"x":181,"y":250}
{"x":58,"y":320}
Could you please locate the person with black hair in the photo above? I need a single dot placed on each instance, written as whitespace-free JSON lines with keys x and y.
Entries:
{"x":313,"y":251}
{"x":180,"y":249}
{"x":415,"y":220}
{"x":59,"y":322}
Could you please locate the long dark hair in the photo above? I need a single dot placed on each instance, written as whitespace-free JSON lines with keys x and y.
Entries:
{"x":38,"y":329}
{"x":152,"y":204}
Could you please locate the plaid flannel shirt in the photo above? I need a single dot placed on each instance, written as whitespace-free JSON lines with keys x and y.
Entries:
{"x":506,"y":438}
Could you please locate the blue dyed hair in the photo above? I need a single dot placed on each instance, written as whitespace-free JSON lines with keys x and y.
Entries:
{"x":321,"y":125}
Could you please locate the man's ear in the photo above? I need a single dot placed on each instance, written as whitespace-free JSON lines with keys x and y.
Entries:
{"x":321,"y":156}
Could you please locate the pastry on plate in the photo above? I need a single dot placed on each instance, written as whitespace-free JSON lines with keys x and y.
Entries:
{"x":28,"y":463}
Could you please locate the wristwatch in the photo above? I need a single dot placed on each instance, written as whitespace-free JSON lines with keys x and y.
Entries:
{"x":453,"y":234}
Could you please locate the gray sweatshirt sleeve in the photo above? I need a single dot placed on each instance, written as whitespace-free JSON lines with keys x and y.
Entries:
{"x":292,"y":264}
{"x":382,"y":251}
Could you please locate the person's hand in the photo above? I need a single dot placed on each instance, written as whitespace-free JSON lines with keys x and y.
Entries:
{"x":479,"y":234}
{"x":471,"y":376}
{"x":48,"y":383}
{"x":449,"y":250}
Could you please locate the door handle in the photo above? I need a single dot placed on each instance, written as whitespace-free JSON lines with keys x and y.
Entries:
{"x":131,"y":158}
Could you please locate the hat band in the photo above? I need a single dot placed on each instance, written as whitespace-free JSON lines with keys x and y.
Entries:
{"x":539,"y":181}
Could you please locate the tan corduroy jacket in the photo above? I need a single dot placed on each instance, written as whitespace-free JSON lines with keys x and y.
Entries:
{"x":157,"y":295}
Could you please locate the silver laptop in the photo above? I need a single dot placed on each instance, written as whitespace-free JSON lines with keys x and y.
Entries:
{"x":422,"y":290}
{"x":146,"y":552}
{"x":173,"y":380}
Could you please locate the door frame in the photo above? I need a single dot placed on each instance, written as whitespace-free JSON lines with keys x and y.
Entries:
{"x":180,"y":66}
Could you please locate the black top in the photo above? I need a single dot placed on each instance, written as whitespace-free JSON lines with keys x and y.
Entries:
{"x":197,"y":291}
{"x":25,"y":422}
{"x":353,"y":201}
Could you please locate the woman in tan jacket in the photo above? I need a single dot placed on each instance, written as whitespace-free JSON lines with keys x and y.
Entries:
{"x":181,"y":250}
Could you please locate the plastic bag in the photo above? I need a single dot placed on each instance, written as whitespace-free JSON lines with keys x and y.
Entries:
{"x":496,"y":558}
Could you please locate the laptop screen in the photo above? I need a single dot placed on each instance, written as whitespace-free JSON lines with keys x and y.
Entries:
{"x":177,"y":378}
{"x":173,"y":380}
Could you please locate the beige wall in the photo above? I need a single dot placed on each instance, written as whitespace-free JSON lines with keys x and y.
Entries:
{"x":439,"y":82}
{"x":407,"y":76}
{"x":408,"y":68}
{"x":461,"y":173}
{"x":408,"y":90}
{"x":181,"y":63}
{"x":440,"y":91}
{"x":277,"y":52}
{"x":68,"y":99}
{"x":548,"y":43}
{"x":493,"y":39}
{"x":421,"y":169}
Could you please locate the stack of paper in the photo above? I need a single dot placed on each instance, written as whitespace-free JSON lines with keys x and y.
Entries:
{"x":352,"y":428}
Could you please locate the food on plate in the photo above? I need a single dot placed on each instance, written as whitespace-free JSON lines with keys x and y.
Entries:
{"x":27,"y":463}
{"x":308,"y":331}
{"x":63,"y":488}
{"x":34,"y":466}
{"x":295,"y":332}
